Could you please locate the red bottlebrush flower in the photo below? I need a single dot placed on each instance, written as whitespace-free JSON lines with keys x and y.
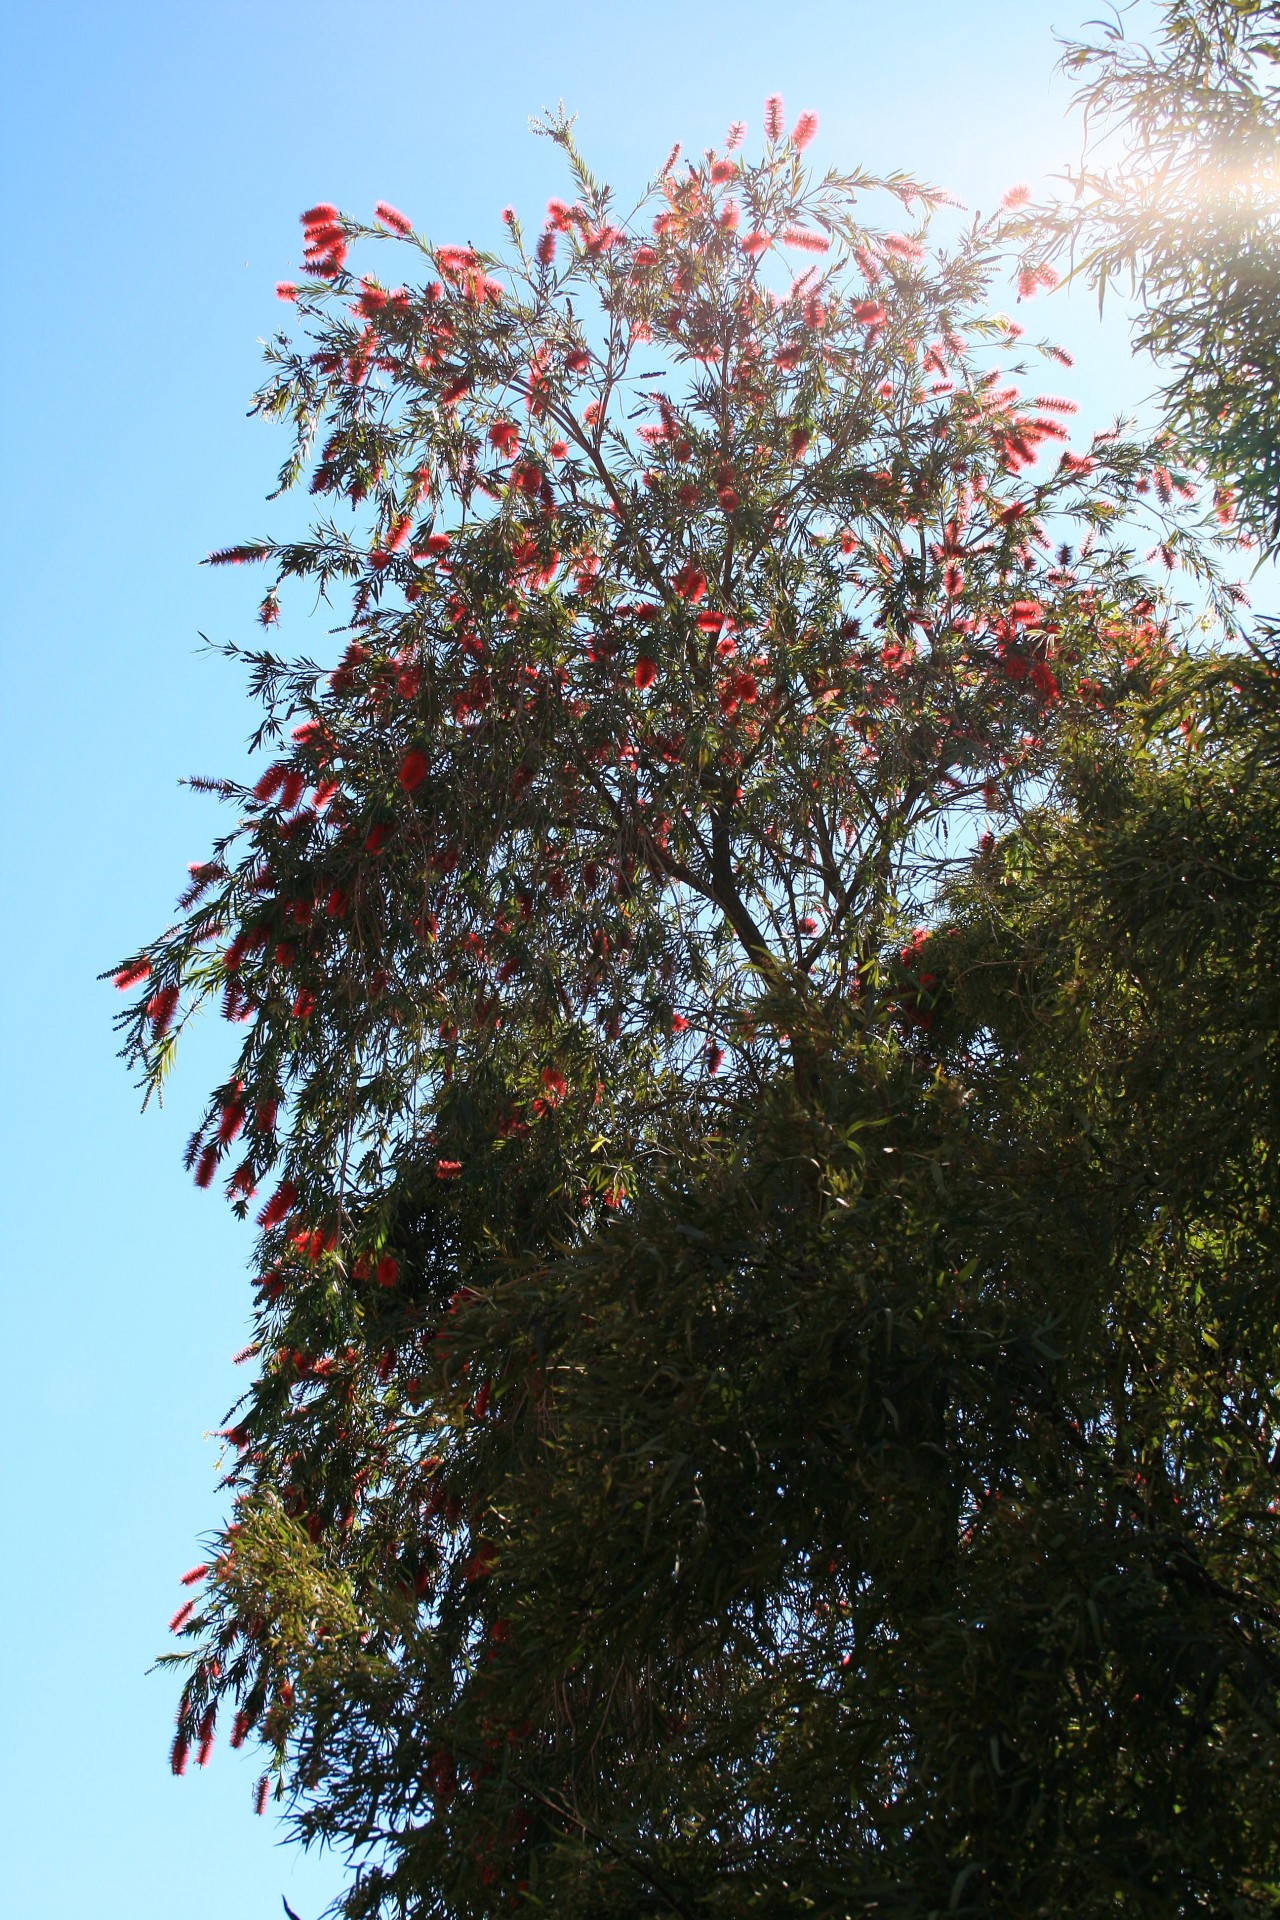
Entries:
{"x":756,"y":243}
{"x":1061,"y":355}
{"x":803,"y":132}
{"x":264,"y":1118}
{"x":722,"y":170}
{"x":240,"y":1729}
{"x":1043,"y":680}
{"x":545,"y":251}
{"x":161,"y":1008}
{"x":193,"y":1576}
{"x":715,"y":1057}
{"x":231,"y":1122}
{"x":436,"y":544}
{"x":235,"y":556}
{"x":953,"y":579}
{"x":206,"y":1737}
{"x":556,"y":1085}
{"x":413,"y":769}
{"x":735,"y":136}
{"x":1032,"y":279}
{"x":320,"y":215}
{"x":279,"y":1205}
{"x":1016,"y":197}
{"x":450,"y":395}
{"x":678,"y":1023}
{"x":377,"y":837}
{"x":646,"y":672}
{"x":448,"y":1169}
{"x":133,"y":974}
{"x":207,"y":1166}
{"x":869,"y":313}
{"x":391,"y":217}
{"x":260,"y":1796}
{"x":323,"y":238}
{"x":798,"y":444}
{"x":387,"y":1271}
{"x":178,"y":1754}
{"x":285,"y":290}
{"x":480,"y":1564}
{"x":182,"y":1616}
{"x":577,"y":361}
{"x":270,"y":783}
{"x":305,"y":1005}
{"x":398,"y":533}
{"x":291,"y":788}
{"x":690,"y":583}
{"x":505,"y":436}
{"x":773,"y":117}
{"x":806,"y":239}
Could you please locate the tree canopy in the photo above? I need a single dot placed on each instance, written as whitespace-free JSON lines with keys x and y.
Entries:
{"x":1178,"y":201}
{"x":758,"y":1057}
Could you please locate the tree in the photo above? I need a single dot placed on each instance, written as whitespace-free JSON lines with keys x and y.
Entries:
{"x":664,"y":1377}
{"x":1178,"y":199}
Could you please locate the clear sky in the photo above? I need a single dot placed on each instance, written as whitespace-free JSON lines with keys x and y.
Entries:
{"x":157,"y":156}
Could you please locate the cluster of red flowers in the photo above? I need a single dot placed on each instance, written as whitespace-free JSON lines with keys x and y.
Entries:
{"x":324,"y":241}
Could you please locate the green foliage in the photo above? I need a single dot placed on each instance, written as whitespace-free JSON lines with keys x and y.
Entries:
{"x":759,"y":1408}
{"x":1179,"y":200}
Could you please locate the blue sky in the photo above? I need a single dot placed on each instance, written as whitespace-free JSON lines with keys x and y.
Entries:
{"x":159,"y":156}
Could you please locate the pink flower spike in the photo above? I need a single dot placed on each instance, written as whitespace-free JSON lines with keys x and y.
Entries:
{"x":393,"y":218}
